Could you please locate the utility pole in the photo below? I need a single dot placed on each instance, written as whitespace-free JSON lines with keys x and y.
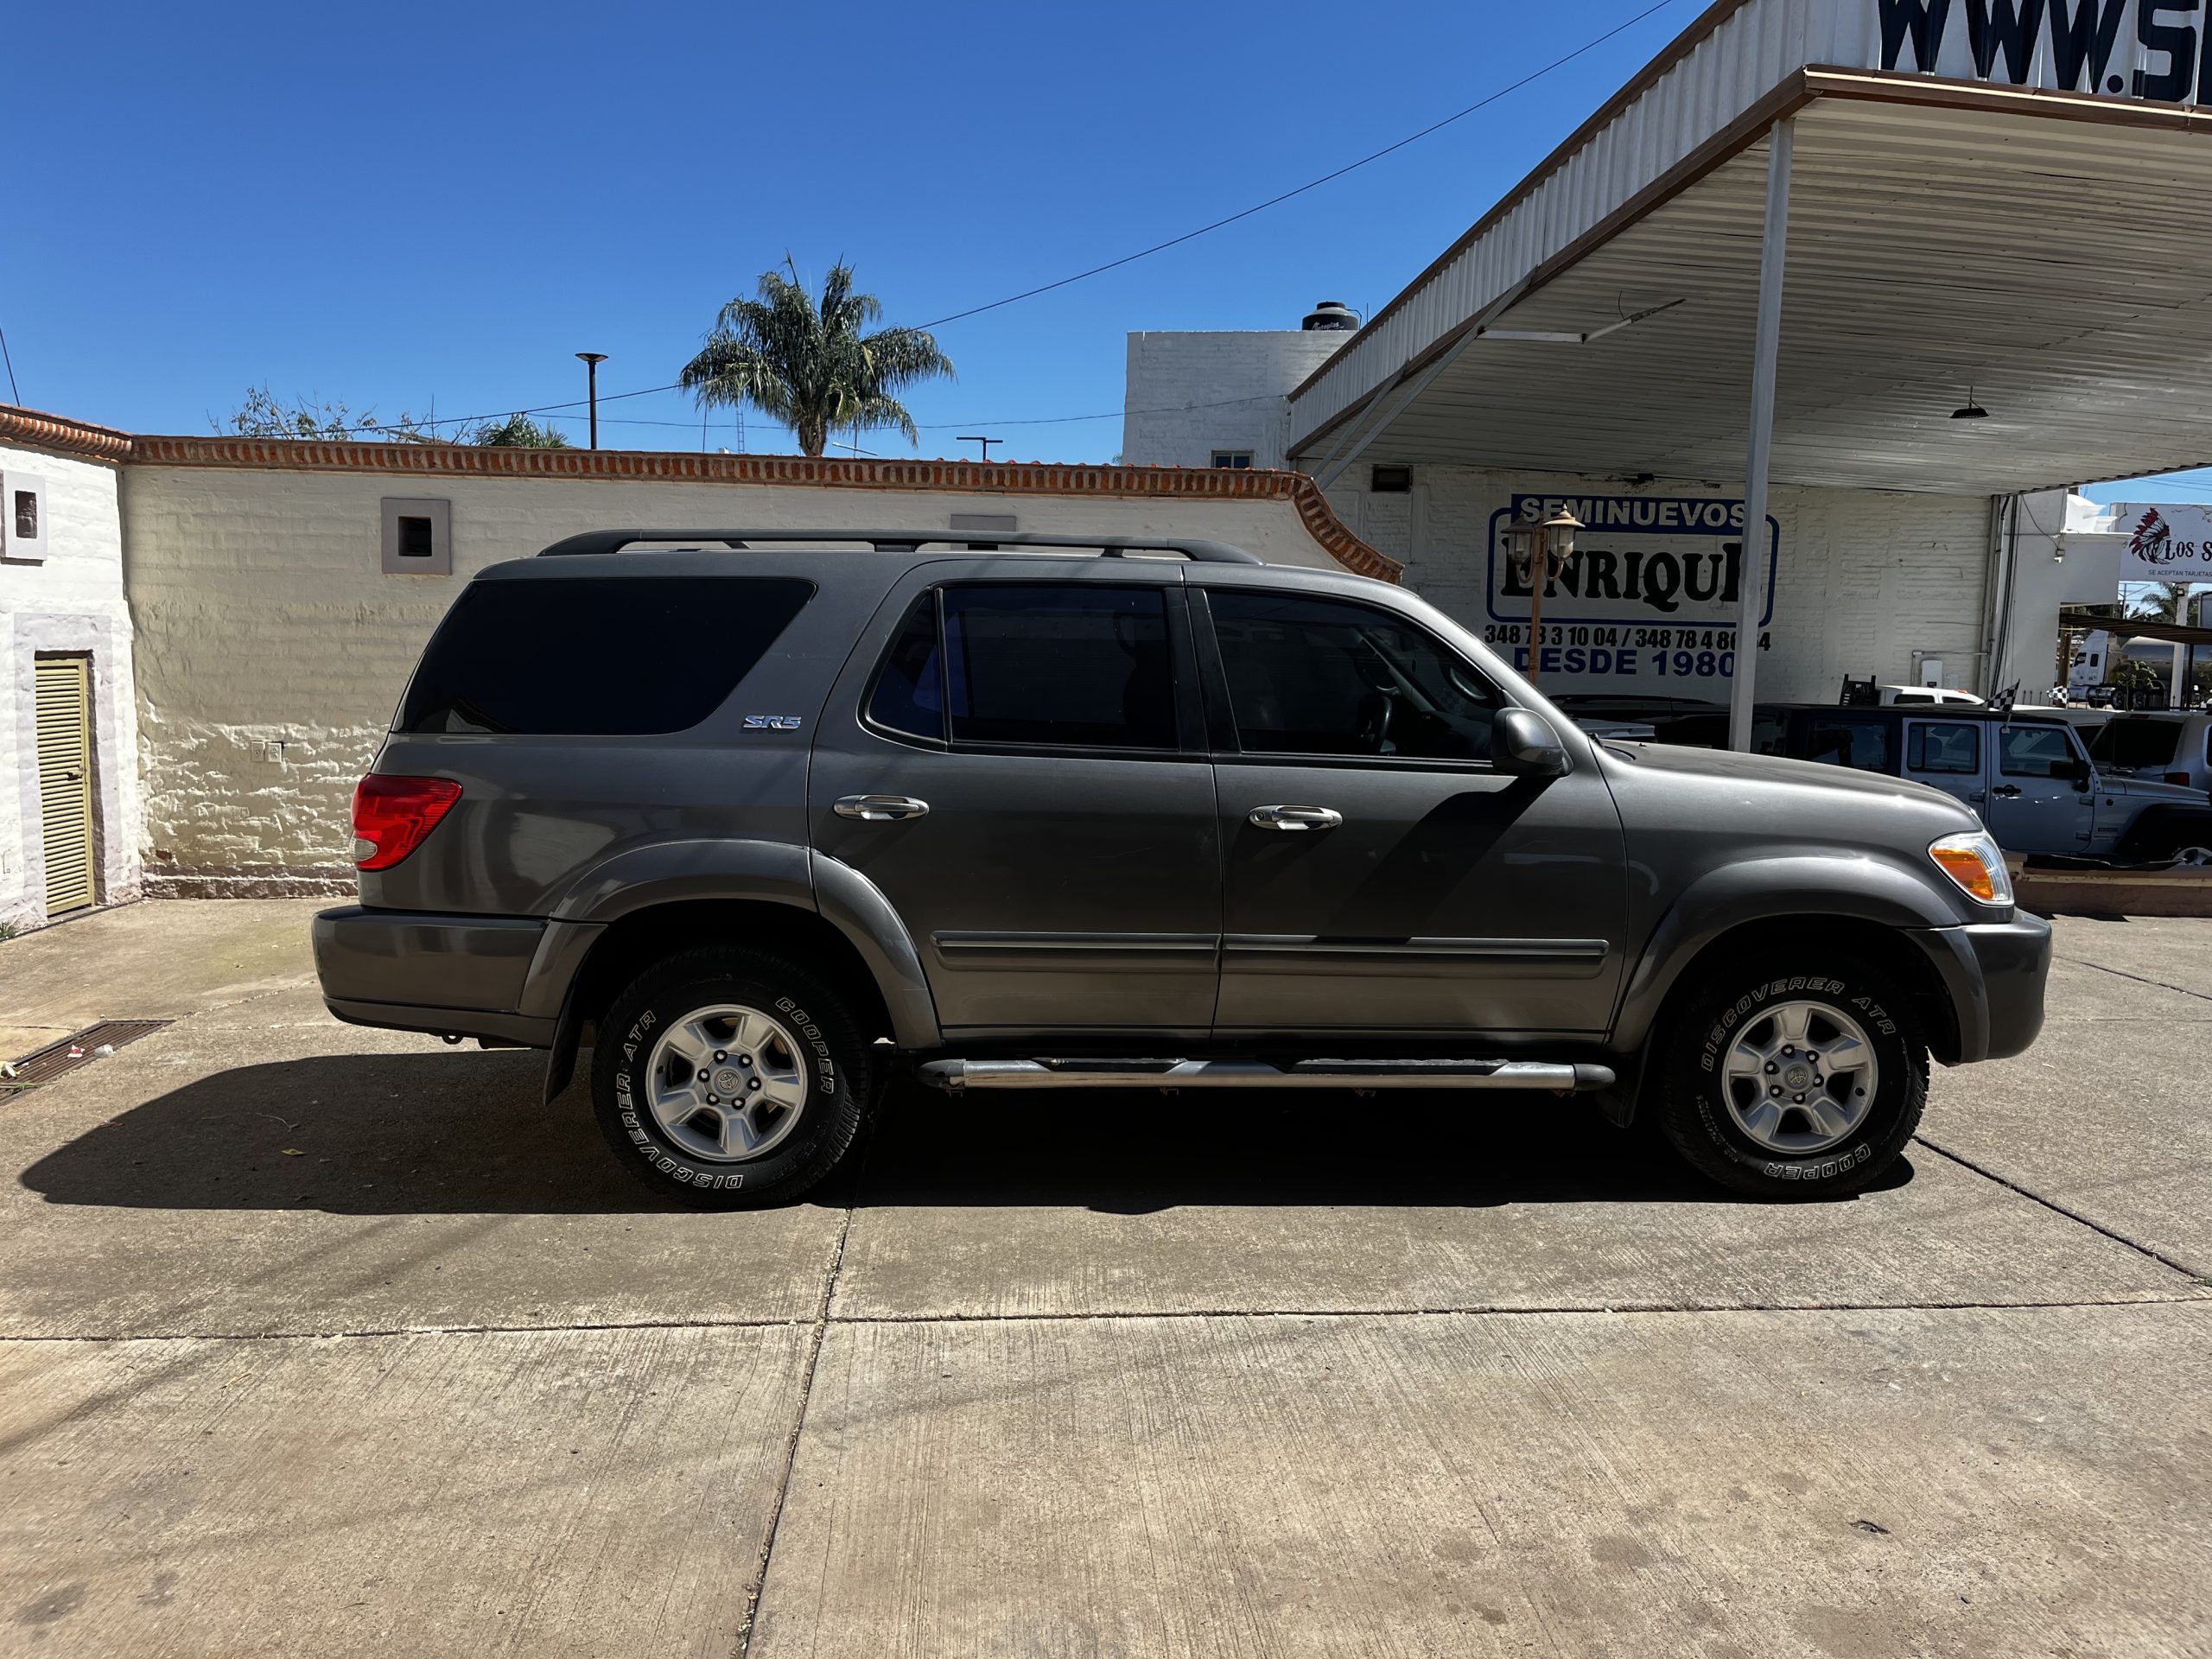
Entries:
{"x":592,"y":360}
{"x":986,"y":442}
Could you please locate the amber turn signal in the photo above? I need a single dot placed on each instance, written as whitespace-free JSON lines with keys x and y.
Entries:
{"x":1976,"y":865}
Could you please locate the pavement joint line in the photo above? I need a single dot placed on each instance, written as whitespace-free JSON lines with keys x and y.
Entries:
{"x":1562,"y":1310}
{"x":2141,"y":979}
{"x":820,"y":1330}
{"x":2118,"y":1238}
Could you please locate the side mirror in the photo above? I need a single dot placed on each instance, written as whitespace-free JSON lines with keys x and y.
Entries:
{"x":1523,"y":743}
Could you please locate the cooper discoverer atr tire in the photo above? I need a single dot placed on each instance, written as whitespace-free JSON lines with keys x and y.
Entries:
{"x":1797,"y":1076}
{"x":730,"y":1079}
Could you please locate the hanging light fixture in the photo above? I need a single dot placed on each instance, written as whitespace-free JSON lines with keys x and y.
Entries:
{"x":1970,"y":410}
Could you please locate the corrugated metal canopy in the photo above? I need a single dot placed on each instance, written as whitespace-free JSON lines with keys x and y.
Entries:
{"x":2059,"y":268}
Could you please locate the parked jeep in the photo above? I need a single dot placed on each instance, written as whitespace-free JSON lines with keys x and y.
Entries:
{"x":769,"y":818}
{"x":2170,"y":748}
{"x":2030,"y":778}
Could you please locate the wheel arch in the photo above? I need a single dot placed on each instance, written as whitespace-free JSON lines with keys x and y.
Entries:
{"x":847,"y":931}
{"x":1759,"y":904}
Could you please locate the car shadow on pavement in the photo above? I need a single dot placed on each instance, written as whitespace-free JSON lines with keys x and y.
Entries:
{"x":465,"y":1133}
{"x":458,"y":1132}
{"x":1135,"y":1152}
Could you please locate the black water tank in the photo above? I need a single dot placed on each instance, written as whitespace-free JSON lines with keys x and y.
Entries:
{"x":1331,"y":317}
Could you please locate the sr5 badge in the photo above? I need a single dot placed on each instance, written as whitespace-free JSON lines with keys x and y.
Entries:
{"x":772,"y":722}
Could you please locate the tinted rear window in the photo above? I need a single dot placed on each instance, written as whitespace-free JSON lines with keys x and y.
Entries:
{"x":598,"y":655}
{"x":2128,"y":743}
{"x":1842,"y":741}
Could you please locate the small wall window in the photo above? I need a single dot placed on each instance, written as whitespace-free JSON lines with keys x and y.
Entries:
{"x":22,"y":518}
{"x":417,"y":538}
{"x":1390,"y":480}
{"x":1232,"y":459}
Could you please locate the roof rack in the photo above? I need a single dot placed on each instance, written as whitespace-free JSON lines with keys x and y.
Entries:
{"x":907,"y":541}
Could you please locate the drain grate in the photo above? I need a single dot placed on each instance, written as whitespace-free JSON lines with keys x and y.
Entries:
{"x":44,"y":1065}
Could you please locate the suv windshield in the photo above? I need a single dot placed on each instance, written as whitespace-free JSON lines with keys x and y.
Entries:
{"x":2136,"y":742}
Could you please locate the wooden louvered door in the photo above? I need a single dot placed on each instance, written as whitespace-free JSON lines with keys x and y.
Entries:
{"x":65,"y":780}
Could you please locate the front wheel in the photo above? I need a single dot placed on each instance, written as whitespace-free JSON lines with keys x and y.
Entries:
{"x":730,"y":1079}
{"x":1793,"y":1078}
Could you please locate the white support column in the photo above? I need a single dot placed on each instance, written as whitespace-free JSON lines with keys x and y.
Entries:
{"x":1750,"y":587}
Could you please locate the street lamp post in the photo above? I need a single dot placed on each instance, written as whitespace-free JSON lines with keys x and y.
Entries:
{"x":1539,"y":553}
{"x":592,"y":360}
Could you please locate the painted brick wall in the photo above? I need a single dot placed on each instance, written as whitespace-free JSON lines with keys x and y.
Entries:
{"x":1866,"y":577}
{"x":1189,"y":394}
{"x":271,"y":650}
{"x":74,"y":603}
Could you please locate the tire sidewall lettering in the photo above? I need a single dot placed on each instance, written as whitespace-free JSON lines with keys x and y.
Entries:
{"x":1835,"y":1163}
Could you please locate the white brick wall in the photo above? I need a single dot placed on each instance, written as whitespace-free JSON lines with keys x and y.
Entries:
{"x":1189,"y":394}
{"x":1866,"y":577}
{"x":271,"y":650}
{"x":74,"y":603}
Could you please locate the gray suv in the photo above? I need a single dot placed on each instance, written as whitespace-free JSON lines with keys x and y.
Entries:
{"x":769,"y":817}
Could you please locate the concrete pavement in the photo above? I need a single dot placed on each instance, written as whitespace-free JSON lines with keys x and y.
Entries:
{"x":321,"y":1340}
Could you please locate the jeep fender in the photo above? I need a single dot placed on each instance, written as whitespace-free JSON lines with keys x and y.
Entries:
{"x":1857,"y":887}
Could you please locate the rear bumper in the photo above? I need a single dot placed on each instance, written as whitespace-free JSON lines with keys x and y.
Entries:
{"x":463,"y":976}
{"x":1995,"y":974}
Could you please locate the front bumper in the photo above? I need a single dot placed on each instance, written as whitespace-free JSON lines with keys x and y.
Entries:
{"x":1995,"y":973}
{"x":461,"y":976}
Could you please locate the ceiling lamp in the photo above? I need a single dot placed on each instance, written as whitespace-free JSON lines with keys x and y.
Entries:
{"x":1971,"y":410}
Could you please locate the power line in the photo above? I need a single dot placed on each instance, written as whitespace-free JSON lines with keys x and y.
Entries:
{"x":14,"y":396}
{"x":1433,"y":127}
{"x":1312,"y":184}
{"x":946,"y":426}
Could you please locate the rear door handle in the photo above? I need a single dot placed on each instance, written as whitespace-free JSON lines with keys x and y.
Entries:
{"x":1296,"y":818}
{"x":881,"y":809}
{"x":2006,"y":792}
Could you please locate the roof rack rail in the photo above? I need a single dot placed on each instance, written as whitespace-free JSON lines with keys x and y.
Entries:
{"x":907,"y":541}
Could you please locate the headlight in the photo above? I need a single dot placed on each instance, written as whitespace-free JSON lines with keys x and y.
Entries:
{"x":1973,"y":861}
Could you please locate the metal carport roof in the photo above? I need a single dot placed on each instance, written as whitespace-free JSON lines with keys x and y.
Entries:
{"x":2047,"y":251}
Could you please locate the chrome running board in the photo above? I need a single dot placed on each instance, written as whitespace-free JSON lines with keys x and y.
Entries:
{"x":955,"y":1077}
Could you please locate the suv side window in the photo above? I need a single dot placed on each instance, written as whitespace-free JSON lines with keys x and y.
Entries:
{"x":1325,"y":677}
{"x":1060,"y":665}
{"x":561,"y":655}
{"x":1942,"y":747}
{"x":909,"y":695}
{"x":1841,"y":741}
{"x":2034,"y":751}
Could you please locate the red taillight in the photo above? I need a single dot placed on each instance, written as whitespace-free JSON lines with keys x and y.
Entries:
{"x":2177,"y":777}
{"x":392,"y":815}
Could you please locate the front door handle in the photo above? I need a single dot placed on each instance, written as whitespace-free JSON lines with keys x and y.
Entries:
{"x":2006,"y":792}
{"x":881,"y":809}
{"x":1296,"y":818}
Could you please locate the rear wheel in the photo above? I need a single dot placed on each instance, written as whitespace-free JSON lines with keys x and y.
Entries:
{"x":1795,"y":1077}
{"x":730,"y":1079}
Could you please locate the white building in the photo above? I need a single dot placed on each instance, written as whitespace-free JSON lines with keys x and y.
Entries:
{"x":1831,"y":256}
{"x":69,"y":796}
{"x":235,"y":619}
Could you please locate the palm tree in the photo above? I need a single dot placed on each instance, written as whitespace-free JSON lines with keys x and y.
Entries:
{"x":809,"y":366}
{"x":2169,"y":604}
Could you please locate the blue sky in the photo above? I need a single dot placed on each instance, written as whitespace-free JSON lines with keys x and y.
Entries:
{"x":416,"y":209}
{"x":398,"y":206}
